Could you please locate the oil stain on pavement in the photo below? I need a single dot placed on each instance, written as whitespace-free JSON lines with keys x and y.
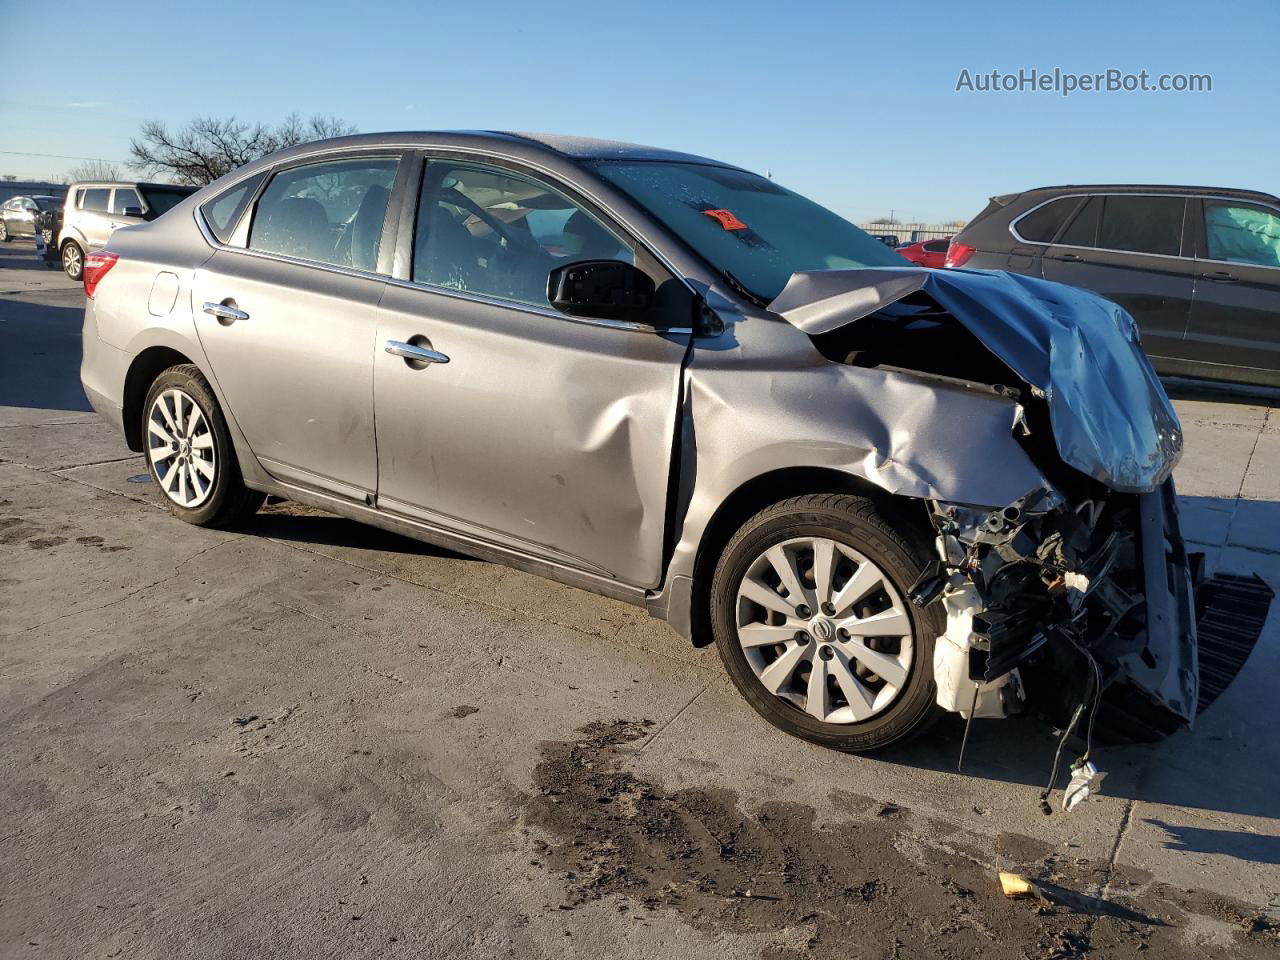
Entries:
{"x":886,"y":884}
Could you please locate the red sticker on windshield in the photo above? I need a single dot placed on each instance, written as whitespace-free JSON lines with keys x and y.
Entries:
{"x":726,"y":219}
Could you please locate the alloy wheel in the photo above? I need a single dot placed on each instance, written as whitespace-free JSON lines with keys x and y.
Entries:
{"x":72,"y":262}
{"x":4,"y":232}
{"x":180,"y":448}
{"x":824,"y":629}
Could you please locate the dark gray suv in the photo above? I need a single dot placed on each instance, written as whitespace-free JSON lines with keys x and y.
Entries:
{"x":1197,"y":267}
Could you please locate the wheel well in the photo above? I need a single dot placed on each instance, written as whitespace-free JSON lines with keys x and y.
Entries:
{"x":67,"y":240}
{"x":146,"y":366}
{"x":758,"y":493}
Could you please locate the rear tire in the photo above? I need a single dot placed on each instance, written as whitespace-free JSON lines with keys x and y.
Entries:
{"x":189,"y":452}
{"x":73,"y":260}
{"x":853,"y":651}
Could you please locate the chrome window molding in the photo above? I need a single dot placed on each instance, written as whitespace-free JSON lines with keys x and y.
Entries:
{"x":447,"y":153}
{"x":1139,"y":253}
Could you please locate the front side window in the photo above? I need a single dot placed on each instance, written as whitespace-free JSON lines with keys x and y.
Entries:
{"x":937,"y":246}
{"x":96,"y":199}
{"x":1142,"y":224}
{"x":489,"y":231}
{"x":747,"y":227}
{"x":330,"y":212}
{"x":124,"y":199}
{"x":1242,"y":233}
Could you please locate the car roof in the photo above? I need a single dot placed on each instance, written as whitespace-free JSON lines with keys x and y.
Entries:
{"x":107,"y":184}
{"x":561,"y":146}
{"x":1234,"y":192}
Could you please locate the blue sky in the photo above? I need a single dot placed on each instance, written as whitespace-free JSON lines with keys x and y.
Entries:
{"x":853,"y":104}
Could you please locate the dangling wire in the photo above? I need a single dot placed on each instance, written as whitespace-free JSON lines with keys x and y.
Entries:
{"x":1057,"y":760}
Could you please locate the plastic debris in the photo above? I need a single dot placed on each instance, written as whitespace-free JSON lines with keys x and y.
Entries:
{"x":1084,"y":782}
{"x":1016,"y":885}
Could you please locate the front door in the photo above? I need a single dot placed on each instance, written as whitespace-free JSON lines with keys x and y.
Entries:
{"x":1235,"y":317}
{"x":544,"y":434}
{"x":1128,"y":249}
{"x":289,"y":324}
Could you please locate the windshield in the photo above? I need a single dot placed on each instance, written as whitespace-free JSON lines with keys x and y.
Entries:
{"x":162,"y":199}
{"x":745,"y":226}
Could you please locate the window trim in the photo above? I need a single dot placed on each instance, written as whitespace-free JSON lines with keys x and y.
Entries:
{"x":412,"y":156}
{"x":1185,"y":197}
{"x":1203,"y":235}
{"x":134,"y":190}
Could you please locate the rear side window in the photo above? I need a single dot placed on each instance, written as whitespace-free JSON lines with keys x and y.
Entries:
{"x":1083,"y":231}
{"x":937,"y":246}
{"x":1142,"y":225}
{"x":1242,"y":233}
{"x":222,"y":213}
{"x":1042,"y":224}
{"x":124,"y":199}
{"x":96,"y":199}
{"x":329,"y":212}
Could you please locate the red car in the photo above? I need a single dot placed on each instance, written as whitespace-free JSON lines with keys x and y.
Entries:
{"x":927,"y":253}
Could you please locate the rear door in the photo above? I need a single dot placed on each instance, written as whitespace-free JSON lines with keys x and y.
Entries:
{"x":124,"y":199}
{"x":93,"y":219}
{"x":1129,"y":249}
{"x":1235,"y":317}
{"x":548,"y":435}
{"x":288,"y":321}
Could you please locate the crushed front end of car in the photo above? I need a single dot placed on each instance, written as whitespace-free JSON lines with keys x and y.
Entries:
{"x":1078,"y":600}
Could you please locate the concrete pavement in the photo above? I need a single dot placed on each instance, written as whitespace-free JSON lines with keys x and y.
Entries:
{"x":310,"y":738}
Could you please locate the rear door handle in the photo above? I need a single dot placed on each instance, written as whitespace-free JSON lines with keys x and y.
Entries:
{"x":225,"y":312}
{"x":1220,"y":276}
{"x":414,"y":353}
{"x":1070,"y":258}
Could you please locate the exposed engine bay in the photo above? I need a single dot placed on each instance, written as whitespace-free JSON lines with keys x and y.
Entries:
{"x":1076,"y":602}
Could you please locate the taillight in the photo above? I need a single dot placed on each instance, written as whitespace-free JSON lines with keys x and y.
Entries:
{"x":96,"y":266}
{"x":959,"y":253}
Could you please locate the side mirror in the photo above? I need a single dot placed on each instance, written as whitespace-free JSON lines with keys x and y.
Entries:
{"x":133,"y":211}
{"x":602,"y":290}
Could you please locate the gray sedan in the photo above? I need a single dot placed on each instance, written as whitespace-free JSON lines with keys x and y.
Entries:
{"x":884,"y":492}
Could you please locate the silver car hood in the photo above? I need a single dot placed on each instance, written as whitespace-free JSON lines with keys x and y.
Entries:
{"x":1110,"y":416}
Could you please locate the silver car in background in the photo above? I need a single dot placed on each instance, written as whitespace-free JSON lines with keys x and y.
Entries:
{"x":93,"y":211}
{"x":884,"y":492}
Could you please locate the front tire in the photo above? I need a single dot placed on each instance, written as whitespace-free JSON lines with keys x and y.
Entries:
{"x":189,"y":451}
{"x":73,"y":260}
{"x":809,"y":613}
{"x":5,"y":236}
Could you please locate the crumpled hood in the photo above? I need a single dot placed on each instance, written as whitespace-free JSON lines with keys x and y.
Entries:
{"x":1110,"y":416}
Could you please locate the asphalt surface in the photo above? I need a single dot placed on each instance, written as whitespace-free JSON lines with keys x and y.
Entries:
{"x":311,"y":739}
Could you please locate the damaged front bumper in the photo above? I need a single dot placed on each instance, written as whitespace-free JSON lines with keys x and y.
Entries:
{"x":1052,"y":605}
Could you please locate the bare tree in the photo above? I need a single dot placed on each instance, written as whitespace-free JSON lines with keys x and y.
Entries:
{"x":208,"y":147}
{"x":94,"y":170}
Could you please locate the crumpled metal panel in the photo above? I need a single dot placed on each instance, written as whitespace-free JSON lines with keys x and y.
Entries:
{"x":1110,"y":416}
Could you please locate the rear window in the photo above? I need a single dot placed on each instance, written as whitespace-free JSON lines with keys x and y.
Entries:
{"x":124,"y":199}
{"x":163,"y":199}
{"x":96,"y":199}
{"x":1142,"y":225}
{"x":1042,"y":224}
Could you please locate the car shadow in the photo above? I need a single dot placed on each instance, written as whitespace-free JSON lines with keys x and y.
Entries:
{"x":328,"y":530}
{"x":40,"y":350}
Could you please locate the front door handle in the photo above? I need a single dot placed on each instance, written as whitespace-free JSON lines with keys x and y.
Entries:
{"x":1070,"y":258}
{"x":225,"y":312}
{"x":414,"y":353}
{"x":1220,"y":276}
